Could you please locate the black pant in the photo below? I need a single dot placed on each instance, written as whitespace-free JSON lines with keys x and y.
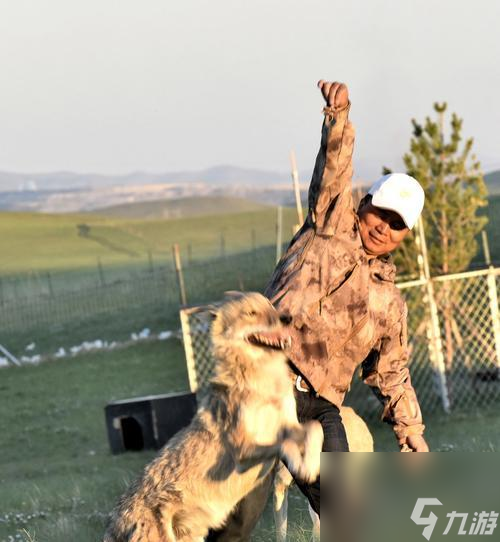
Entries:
{"x":310,"y":407}
{"x":242,"y":521}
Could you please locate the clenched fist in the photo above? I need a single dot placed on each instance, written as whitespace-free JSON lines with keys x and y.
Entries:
{"x":335,"y":94}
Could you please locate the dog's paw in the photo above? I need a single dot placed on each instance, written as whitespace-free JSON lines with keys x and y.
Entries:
{"x":291,"y":455}
{"x":312,"y":450}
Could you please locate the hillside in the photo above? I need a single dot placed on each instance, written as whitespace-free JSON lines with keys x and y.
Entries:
{"x":493,"y":182}
{"x":42,"y":242}
{"x":181,"y":208}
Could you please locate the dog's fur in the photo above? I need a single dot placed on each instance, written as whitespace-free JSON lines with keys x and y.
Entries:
{"x":243,"y":426}
{"x":359,"y":439}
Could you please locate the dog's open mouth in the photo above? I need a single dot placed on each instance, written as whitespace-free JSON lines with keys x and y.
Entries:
{"x":268,"y":339}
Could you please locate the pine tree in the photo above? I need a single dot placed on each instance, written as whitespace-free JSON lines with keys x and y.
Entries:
{"x":455,"y":191}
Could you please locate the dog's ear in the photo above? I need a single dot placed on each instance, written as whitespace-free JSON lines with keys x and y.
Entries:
{"x":212,"y":311}
{"x":233,"y":295}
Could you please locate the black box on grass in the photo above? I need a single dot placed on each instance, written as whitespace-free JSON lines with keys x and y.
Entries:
{"x":147,"y":422}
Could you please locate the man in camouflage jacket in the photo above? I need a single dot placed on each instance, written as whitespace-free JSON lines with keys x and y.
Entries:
{"x":336,"y":284}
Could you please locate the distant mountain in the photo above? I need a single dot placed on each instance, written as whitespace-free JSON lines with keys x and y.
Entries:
{"x":181,"y":208}
{"x":63,"y":191}
{"x":493,"y":182}
{"x":222,"y":175}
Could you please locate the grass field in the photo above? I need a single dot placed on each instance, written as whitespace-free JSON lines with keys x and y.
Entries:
{"x":43,"y":242}
{"x":58,"y":480}
{"x":182,"y":208}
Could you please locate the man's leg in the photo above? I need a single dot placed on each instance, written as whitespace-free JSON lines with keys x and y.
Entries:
{"x":310,"y":407}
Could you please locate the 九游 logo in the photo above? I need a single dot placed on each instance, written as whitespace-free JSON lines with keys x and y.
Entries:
{"x":481,"y":523}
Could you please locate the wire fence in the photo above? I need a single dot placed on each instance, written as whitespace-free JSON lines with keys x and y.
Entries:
{"x":60,"y":317}
{"x":455,"y":356}
{"x":454,"y":367}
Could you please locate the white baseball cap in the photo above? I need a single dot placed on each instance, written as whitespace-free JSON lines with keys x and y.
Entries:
{"x":400,"y":193}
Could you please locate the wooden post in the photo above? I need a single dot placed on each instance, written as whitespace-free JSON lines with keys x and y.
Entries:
{"x":432,"y":325}
{"x":100,"y":272}
{"x":189,"y":350}
{"x":486,"y":248}
{"x":49,"y":284}
{"x":493,"y":296}
{"x":241,"y":283}
{"x":178,"y":272}
{"x":296,"y":189}
{"x":279,"y":230}
{"x":222,"y":245}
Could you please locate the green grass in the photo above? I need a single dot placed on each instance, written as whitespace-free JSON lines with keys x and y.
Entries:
{"x":43,"y":242}
{"x":58,"y":480}
{"x":181,"y":208}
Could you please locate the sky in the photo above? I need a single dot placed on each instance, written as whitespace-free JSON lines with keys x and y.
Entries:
{"x":161,"y":85}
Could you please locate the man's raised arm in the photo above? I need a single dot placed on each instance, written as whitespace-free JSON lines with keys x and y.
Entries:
{"x":330,"y":192}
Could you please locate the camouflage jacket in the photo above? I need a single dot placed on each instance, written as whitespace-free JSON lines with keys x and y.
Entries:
{"x":346,"y":310}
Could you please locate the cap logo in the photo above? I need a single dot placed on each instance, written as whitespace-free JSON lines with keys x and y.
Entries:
{"x":405,"y":194}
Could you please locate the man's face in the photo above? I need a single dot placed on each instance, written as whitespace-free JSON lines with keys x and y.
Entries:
{"x":381,"y":230}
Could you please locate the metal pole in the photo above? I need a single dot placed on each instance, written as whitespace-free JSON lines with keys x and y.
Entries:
{"x":432,"y":327}
{"x":179,"y":274}
{"x":493,"y":296}
{"x":279,"y":230}
{"x":296,"y":189}
{"x":9,"y":356}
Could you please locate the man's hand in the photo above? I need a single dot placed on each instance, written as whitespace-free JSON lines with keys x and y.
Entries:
{"x":335,"y":94}
{"x":413,"y":443}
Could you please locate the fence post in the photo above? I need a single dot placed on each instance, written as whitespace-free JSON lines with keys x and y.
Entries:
{"x":493,"y":296}
{"x":432,"y":325}
{"x":222,"y":245}
{"x":189,"y":350}
{"x":49,"y":283}
{"x":296,"y":189}
{"x":279,"y":229}
{"x":9,"y":356}
{"x":179,"y":274}
{"x":100,"y":272}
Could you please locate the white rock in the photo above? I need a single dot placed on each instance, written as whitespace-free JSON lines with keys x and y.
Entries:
{"x":30,"y":347}
{"x":144,"y":334}
{"x":32,"y":359}
{"x":164,"y":335}
{"x":4,"y":362}
{"x":61,"y":353}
